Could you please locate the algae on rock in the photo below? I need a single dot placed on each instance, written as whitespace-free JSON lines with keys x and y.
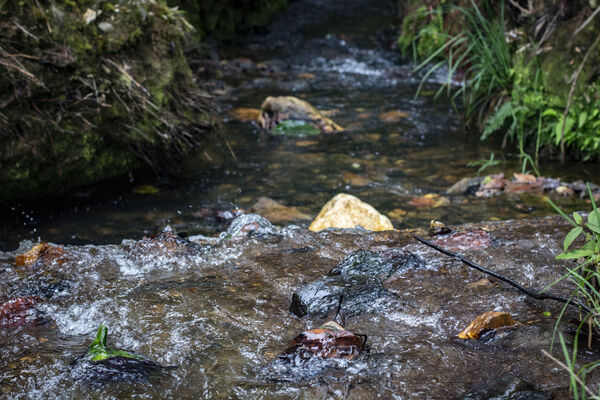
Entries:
{"x":92,"y":90}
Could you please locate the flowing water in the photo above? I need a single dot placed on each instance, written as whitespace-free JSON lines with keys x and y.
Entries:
{"x":216,"y":312}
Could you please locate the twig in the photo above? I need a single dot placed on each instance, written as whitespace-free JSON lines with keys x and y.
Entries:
{"x":570,"y":99}
{"x":528,"y":292}
{"x":525,"y":11}
{"x":587,"y":21}
{"x":566,"y":368}
{"x":128,"y":76}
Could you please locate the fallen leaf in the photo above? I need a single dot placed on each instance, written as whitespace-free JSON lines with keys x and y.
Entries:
{"x":397,"y":213}
{"x":306,"y":143}
{"x":363,"y":115}
{"x":37,"y":251}
{"x":245,"y":114}
{"x":426,"y":201}
{"x":484,"y":282}
{"x":393,"y":116}
{"x":485,"y":322}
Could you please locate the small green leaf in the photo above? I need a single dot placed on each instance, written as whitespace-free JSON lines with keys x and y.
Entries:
{"x":594,"y":220}
{"x":546,"y":314}
{"x":295,"y":128}
{"x":575,"y":254}
{"x":571,"y":236}
{"x":582,"y":119}
{"x":577,"y":218}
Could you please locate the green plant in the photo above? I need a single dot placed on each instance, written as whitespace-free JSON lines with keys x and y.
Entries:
{"x":586,"y":277}
{"x":484,"y":164}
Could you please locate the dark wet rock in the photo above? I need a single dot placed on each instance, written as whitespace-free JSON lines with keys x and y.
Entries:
{"x":359,"y":295}
{"x":356,"y":280}
{"x":115,"y":369}
{"x":508,"y":387}
{"x":102,"y":364}
{"x":19,"y":312}
{"x":380,"y":264}
{"x":248,"y":225}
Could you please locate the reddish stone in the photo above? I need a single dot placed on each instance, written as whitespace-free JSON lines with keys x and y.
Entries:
{"x":18,"y":312}
{"x":465,"y":240}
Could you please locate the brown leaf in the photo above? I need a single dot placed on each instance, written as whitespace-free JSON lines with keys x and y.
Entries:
{"x":39,"y":250}
{"x":485,"y":322}
{"x":330,"y":340}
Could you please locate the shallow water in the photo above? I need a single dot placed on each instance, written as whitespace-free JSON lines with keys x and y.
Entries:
{"x":345,"y":45}
{"x":219,"y":314}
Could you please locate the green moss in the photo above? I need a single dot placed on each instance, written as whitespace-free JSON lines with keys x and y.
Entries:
{"x":89,"y":103}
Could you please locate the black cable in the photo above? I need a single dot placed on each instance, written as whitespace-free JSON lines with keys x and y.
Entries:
{"x":528,"y":292}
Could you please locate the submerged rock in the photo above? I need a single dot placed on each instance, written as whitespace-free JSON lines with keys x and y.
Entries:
{"x":102,"y":364}
{"x":347,"y":211}
{"x":275,"y":110}
{"x":355,"y":285}
{"x":508,"y":387}
{"x":277,"y":213}
{"x":329,"y":340}
{"x":19,"y":311}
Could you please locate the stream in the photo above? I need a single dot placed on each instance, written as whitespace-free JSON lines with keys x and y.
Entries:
{"x":217,"y":313}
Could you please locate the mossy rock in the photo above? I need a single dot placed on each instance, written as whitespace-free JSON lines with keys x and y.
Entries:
{"x":81,"y":102}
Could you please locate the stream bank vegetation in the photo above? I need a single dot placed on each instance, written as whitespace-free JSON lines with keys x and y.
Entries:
{"x":525,"y":72}
{"x":91,"y":90}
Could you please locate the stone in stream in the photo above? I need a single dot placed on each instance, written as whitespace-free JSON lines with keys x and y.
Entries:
{"x":508,"y":387}
{"x":347,"y":211}
{"x":277,"y":213}
{"x":102,"y":364}
{"x":356,"y":280}
{"x":276,"y":110}
{"x":20,"y":312}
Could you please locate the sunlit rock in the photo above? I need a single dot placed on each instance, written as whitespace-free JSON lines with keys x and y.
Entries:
{"x":347,"y":211}
{"x":485,"y":322}
{"x":275,"y":110}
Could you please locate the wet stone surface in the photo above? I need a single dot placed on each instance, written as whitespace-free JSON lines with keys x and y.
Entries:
{"x":220,"y":313}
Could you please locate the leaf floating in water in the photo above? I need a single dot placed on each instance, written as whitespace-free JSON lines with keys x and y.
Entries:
{"x":43,"y":250}
{"x":330,"y":340}
{"x":485,"y":322}
{"x":145,"y":189}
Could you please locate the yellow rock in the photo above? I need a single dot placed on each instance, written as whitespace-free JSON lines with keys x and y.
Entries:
{"x":347,"y":211}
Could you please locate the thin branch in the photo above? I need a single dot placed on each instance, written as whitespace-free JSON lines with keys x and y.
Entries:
{"x":587,"y":21}
{"x":573,"y":375}
{"x":570,"y":99}
{"x":528,"y":292}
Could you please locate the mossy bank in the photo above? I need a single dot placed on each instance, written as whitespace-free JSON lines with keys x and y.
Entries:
{"x":91,"y":90}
